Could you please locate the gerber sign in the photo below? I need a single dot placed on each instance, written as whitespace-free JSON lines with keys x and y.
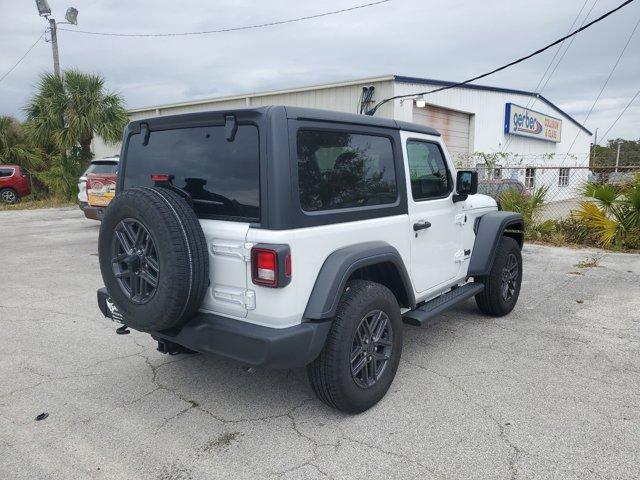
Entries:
{"x":521,"y":121}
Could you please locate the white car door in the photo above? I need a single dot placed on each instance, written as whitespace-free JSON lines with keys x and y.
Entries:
{"x":436,"y":238}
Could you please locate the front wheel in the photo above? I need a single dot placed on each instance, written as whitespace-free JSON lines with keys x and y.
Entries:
{"x":361,"y":356}
{"x":8,"y":195}
{"x":502,"y":285}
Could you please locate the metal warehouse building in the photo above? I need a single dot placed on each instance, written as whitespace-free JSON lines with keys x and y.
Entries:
{"x":480,"y":124}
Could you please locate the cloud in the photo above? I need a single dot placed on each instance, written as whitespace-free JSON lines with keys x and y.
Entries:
{"x":450,"y":40}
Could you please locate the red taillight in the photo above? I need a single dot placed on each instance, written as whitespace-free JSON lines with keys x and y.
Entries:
{"x":271,"y":265}
{"x":87,"y":185}
{"x":161,"y":177}
{"x":265,"y":267}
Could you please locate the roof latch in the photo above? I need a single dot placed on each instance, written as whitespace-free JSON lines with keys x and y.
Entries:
{"x":230,"y":127}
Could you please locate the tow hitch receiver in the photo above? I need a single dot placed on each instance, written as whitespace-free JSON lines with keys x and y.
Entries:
{"x":165,"y":346}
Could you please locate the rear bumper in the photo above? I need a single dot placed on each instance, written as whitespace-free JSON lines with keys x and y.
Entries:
{"x":93,"y":213}
{"x":250,"y":344}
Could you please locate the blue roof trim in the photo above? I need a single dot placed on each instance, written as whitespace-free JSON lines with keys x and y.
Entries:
{"x":471,"y":86}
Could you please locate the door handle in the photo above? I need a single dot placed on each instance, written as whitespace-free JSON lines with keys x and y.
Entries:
{"x":421,"y":225}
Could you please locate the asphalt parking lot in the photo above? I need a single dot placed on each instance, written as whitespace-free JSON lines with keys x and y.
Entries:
{"x":550,"y":391}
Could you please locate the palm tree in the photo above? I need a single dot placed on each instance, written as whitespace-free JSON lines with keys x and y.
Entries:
{"x":14,"y":148}
{"x":613,"y":213}
{"x":68,"y":111}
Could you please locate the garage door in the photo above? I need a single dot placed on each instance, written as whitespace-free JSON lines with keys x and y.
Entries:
{"x":454,"y":126}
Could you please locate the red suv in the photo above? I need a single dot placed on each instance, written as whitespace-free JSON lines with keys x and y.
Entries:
{"x":14,"y":183}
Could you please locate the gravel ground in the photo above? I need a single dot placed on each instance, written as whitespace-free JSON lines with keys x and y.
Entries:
{"x":550,"y":391}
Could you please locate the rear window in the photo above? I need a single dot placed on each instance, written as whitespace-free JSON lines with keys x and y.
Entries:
{"x":102,"y":167}
{"x":222,"y":177}
{"x":6,"y":172}
{"x":342,"y":170}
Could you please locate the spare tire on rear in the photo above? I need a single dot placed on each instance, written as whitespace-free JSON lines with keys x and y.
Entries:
{"x":153,"y":258}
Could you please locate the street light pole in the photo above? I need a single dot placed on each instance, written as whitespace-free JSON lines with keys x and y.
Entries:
{"x":618,"y":156}
{"x":44,"y":10}
{"x":54,"y":46}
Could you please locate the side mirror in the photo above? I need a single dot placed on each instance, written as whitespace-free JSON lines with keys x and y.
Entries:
{"x":466,"y":184}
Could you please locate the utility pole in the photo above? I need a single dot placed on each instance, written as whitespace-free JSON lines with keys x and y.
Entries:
{"x":618,"y":156}
{"x":592,"y":160}
{"x":54,"y":46}
{"x":44,"y":10}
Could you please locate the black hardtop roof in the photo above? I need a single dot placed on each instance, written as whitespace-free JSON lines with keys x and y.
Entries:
{"x":297,"y":113}
{"x":353,"y":118}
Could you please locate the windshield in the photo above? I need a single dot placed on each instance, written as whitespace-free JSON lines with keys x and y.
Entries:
{"x":102,"y":167}
{"x":222,"y":176}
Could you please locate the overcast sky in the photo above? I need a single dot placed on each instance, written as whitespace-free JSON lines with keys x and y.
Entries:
{"x":448,"y":40}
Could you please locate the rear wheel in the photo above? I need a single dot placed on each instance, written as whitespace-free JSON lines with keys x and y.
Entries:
{"x":153,"y":258}
{"x":361,"y":356}
{"x":8,"y":195}
{"x":502,"y":285}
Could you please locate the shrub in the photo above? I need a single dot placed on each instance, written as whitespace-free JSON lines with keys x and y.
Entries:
{"x":613,"y":214}
{"x":528,"y":205}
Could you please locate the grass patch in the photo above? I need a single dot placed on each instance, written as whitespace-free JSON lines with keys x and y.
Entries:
{"x":36,"y":204}
{"x":591,"y":262}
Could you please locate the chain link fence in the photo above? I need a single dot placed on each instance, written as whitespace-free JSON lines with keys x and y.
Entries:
{"x":559,"y":189}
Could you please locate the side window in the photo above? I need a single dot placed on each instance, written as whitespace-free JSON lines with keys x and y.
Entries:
{"x":427,"y":170}
{"x":6,"y":172}
{"x":343,"y":170}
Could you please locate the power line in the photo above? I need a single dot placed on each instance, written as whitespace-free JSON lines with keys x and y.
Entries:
{"x":566,"y":50}
{"x":515,"y":62}
{"x":613,"y":69}
{"x":620,"y":116}
{"x":230,"y":29}
{"x":575,"y":20}
{"x":21,"y":58}
{"x":532,"y":101}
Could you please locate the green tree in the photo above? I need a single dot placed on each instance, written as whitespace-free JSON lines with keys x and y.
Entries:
{"x":14,"y":146}
{"x":67,"y":112}
{"x":605,"y":156}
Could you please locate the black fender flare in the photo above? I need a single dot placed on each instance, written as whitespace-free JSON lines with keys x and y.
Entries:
{"x":490,"y":228}
{"x":338,"y":267}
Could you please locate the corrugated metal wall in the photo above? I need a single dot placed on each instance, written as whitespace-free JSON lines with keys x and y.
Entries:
{"x":341,"y":97}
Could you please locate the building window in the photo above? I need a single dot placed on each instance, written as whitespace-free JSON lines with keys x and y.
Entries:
{"x":344,"y":170}
{"x":530,"y":178}
{"x":563,"y":177}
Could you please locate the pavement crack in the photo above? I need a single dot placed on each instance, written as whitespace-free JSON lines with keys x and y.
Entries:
{"x":515,"y":452}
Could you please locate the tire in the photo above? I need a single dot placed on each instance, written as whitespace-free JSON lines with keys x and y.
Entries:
{"x":9,"y":195}
{"x":331,"y":374}
{"x":492,"y":300}
{"x":176,"y":258}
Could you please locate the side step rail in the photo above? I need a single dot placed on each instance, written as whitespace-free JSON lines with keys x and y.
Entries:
{"x":432,"y":308}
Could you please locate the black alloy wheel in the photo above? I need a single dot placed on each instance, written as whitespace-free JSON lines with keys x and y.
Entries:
{"x":134,"y":261}
{"x":502,"y":284}
{"x":509,"y":278}
{"x":372,"y":347}
{"x":8,"y":196}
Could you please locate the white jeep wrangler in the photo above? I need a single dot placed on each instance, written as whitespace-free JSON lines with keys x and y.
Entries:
{"x":286,"y":237}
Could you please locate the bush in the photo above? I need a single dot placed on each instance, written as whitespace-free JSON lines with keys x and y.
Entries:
{"x":61,"y":178}
{"x":613,"y":214}
{"x":528,"y":205}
